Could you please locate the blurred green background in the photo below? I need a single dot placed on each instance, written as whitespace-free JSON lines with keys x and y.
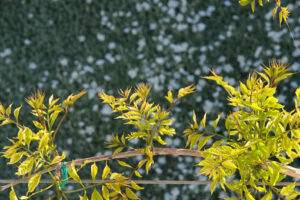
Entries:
{"x":62,"y":47}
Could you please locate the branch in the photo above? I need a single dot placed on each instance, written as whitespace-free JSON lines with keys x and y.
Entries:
{"x":288,"y":170}
{"x":141,"y":182}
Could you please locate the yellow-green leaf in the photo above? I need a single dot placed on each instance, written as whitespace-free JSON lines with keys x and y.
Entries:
{"x":8,"y":110}
{"x":12,"y":194}
{"x":298,"y":94}
{"x":33,"y":182}
{"x":213,"y":185}
{"x":202,"y":123}
{"x":2,"y":110}
{"x":7,"y":121}
{"x":124,"y":164}
{"x":16,"y":112}
{"x":288,"y":190}
{"x":118,"y":150}
{"x":135,"y":186}
{"x":94,"y":171}
{"x":105,"y":192}
{"x":280,"y":17}
{"x":38,"y":125}
{"x":26,"y":166}
{"x":73,"y":173}
{"x":84,"y":197}
{"x":28,"y":136}
{"x":185,"y":91}
{"x":131,"y":194}
{"x":44,"y":141}
{"x":229,"y":164}
{"x":244,"y":2}
{"x":15,"y":158}
{"x":96,"y":195}
{"x":169,"y":97}
{"x":253,"y":5}
{"x":158,"y":138}
{"x":274,"y":11}
{"x":106,"y":171}
{"x":137,"y":173}
{"x":216,"y":121}
{"x":58,"y":158}
{"x":202,"y":142}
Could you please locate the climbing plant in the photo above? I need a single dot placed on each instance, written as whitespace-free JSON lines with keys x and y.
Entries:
{"x":249,"y":158}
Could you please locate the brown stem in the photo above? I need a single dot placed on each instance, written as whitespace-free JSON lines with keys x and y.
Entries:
{"x":273,"y":189}
{"x":288,"y":170}
{"x":60,"y":122}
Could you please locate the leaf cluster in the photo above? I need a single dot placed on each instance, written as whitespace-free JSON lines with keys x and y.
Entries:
{"x":262,"y":138}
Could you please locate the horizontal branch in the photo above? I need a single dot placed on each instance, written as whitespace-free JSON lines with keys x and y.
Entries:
{"x":288,"y":170}
{"x":141,"y":182}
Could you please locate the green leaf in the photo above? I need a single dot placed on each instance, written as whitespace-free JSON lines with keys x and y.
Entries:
{"x":106,"y":171}
{"x":16,"y":112}
{"x":203,"y":142}
{"x":73,"y":173}
{"x":105,"y":192}
{"x":135,"y":186}
{"x":130,"y":194}
{"x":33,"y":182}
{"x":12,"y":194}
{"x":96,"y":195}
{"x":94,"y":170}
{"x":124,"y":164}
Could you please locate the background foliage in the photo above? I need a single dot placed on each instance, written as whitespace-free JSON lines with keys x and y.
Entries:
{"x":66,"y":46}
